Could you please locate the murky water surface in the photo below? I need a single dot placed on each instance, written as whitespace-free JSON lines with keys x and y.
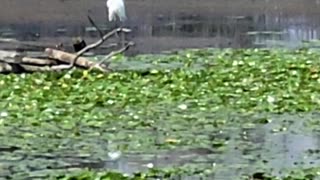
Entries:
{"x":285,"y":142}
{"x":167,"y":25}
{"x":276,"y":147}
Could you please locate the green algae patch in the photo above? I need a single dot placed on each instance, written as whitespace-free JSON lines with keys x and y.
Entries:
{"x":190,"y":107}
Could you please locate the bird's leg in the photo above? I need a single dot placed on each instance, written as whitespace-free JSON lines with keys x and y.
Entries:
{"x":119,"y":34}
{"x":115,"y":26}
{"x":122,"y":40}
{"x":122,"y":37}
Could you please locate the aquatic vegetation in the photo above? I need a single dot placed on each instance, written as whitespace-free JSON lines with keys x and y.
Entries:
{"x":192,"y":107}
{"x":296,"y":174}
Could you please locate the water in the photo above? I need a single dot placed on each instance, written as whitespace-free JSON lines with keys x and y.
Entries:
{"x":166,"y":25}
{"x":249,"y":150}
{"x":284,"y":143}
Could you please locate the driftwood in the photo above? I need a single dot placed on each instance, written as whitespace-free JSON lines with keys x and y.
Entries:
{"x":68,"y":58}
{"x":29,"y":60}
{"x":32,"y":68}
{"x":10,"y":56}
{"x":6,"y":68}
{"x":55,"y":59}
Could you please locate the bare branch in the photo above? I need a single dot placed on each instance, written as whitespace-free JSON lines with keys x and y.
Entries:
{"x":94,"y":25}
{"x":113,"y":53}
{"x":98,"y":43}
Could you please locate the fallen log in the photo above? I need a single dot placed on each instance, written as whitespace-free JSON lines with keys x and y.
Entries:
{"x":10,"y":56}
{"x":37,"y":61}
{"x":6,"y":68}
{"x":69,"y":58}
{"x":32,"y":68}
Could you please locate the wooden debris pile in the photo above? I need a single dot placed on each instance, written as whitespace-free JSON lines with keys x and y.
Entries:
{"x":54,"y":59}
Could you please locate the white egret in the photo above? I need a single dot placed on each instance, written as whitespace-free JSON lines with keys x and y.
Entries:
{"x":117,"y":12}
{"x":116,"y":9}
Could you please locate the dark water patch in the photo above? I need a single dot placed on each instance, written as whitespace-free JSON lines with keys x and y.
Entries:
{"x":158,"y":27}
{"x":9,"y":149}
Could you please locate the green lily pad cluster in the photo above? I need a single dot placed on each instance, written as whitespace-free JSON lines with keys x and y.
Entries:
{"x":182,"y":100}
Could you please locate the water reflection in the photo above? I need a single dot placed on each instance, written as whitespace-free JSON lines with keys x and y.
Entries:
{"x":155,"y":31}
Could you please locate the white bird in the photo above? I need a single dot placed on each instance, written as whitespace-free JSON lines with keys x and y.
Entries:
{"x":116,"y":9}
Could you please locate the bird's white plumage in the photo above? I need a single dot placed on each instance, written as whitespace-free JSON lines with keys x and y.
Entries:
{"x":116,"y":9}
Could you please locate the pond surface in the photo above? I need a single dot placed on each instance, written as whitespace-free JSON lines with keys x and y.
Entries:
{"x":276,"y":147}
{"x":241,"y":150}
{"x":167,"y":25}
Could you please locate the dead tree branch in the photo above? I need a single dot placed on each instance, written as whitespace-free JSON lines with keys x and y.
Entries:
{"x":113,"y":53}
{"x":97,"y":44}
{"x":94,"y":25}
